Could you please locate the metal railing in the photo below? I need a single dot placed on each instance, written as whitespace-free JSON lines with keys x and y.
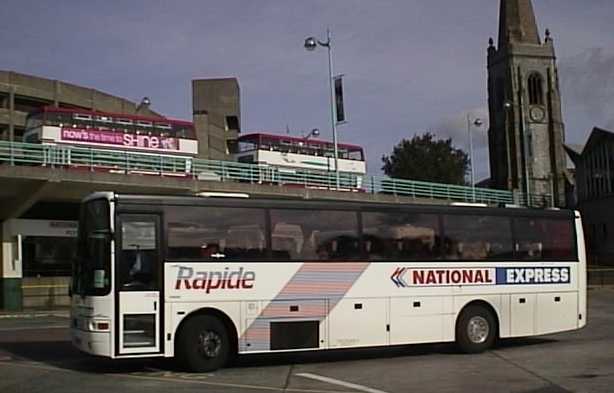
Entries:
{"x":69,"y":157}
{"x":600,"y":277}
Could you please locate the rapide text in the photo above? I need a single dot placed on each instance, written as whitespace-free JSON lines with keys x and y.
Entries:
{"x":188,"y":278}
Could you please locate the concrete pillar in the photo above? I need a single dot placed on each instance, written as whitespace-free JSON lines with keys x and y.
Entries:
{"x":56,"y":93}
{"x":201,"y":126}
{"x":11,"y":270}
{"x":606,"y":147}
{"x":12,"y":113}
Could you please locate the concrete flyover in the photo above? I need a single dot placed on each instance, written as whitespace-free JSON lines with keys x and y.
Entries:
{"x":23,"y":186}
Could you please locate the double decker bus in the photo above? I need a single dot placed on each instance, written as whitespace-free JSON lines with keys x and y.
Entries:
{"x":145,"y":137}
{"x":78,"y":127}
{"x":204,"y":279}
{"x":296,"y":155}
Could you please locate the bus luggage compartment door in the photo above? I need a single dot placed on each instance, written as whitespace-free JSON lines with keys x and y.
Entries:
{"x":139,"y":322}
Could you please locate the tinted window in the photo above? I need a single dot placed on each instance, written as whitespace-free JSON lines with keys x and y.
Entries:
{"x":404,"y":236}
{"x":216,"y":233}
{"x":314,"y":235}
{"x":476,"y":238}
{"x":92,"y":269}
{"x":138,"y":258}
{"x":48,"y":256}
{"x":539,"y":238}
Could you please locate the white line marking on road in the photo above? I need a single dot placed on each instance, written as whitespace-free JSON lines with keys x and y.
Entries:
{"x":340,"y":383}
{"x":16,"y":329}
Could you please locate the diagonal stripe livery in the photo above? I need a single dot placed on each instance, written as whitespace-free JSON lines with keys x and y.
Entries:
{"x":316,"y":286}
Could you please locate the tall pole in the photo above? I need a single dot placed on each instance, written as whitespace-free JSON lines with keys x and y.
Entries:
{"x":332,"y":103}
{"x":310,"y":44}
{"x":525,"y":143}
{"x":507,"y":129}
{"x":471,"y":156}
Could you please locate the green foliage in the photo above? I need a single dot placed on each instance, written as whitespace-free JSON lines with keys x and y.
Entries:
{"x":425,"y":159}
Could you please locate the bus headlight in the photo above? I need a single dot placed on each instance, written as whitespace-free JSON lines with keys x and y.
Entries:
{"x":98,"y":325}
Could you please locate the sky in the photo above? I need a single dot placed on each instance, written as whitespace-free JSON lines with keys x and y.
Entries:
{"x":410,"y":66}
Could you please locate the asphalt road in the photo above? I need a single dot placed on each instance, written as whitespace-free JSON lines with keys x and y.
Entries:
{"x":36,"y":356}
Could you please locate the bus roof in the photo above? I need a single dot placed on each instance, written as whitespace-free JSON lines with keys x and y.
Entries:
{"x":156,"y":201}
{"x":261,"y":135}
{"x":159,"y":119}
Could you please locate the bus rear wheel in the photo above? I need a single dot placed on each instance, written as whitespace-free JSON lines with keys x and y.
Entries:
{"x":476,"y":329}
{"x":203,"y":344}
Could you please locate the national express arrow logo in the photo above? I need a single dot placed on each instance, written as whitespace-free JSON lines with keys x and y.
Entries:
{"x":397,"y":277}
{"x":404,"y":277}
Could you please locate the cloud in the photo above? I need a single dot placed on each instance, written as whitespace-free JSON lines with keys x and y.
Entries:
{"x":587,"y":83}
{"x":455,"y":127}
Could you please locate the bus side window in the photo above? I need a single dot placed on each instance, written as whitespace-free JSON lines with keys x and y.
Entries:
{"x":287,"y":241}
{"x":323,"y":235}
{"x":221,"y":233}
{"x":544,"y":238}
{"x":138,"y":255}
{"x":404,"y":236}
{"x":477,"y":237}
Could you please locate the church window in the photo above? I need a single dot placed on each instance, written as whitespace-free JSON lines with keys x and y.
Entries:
{"x":536,"y":93}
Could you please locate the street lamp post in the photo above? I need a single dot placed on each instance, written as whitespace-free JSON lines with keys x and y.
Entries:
{"x":525,"y":153}
{"x":526,"y":133}
{"x":311,"y":44}
{"x":144,"y":104}
{"x":478,"y":123}
{"x":315,"y":132}
{"x":507,"y":106}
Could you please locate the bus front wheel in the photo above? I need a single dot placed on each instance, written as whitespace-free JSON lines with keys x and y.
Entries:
{"x":203,"y":344}
{"x":476,"y":329}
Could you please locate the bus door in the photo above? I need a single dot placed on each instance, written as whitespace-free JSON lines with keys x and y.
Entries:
{"x":139,"y":279}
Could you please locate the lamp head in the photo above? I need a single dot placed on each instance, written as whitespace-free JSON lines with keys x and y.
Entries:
{"x":315,"y":132}
{"x":145,"y":102}
{"x":311,"y":43}
{"x":478,"y":122}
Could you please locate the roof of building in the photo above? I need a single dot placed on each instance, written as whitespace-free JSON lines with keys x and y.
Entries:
{"x":597,"y":136}
{"x":50,"y":91}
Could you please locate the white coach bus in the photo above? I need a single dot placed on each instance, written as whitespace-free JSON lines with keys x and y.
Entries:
{"x":204,"y":279}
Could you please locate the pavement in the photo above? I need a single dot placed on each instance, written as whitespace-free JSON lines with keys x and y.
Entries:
{"x":36,"y":356}
{"x":28,"y":314}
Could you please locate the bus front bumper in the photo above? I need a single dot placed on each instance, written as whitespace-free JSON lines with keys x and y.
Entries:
{"x":94,"y":343}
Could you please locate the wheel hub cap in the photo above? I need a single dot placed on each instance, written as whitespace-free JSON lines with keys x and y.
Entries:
{"x":210,"y":344}
{"x":478,"y":330}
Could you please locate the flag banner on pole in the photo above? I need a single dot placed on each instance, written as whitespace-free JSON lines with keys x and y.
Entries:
{"x":339,"y":99}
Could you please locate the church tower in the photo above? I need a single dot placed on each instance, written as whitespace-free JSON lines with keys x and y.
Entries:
{"x":526,"y":132}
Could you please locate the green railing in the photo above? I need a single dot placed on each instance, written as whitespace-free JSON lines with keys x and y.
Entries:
{"x":56,"y":156}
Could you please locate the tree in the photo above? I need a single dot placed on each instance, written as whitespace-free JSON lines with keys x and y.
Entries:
{"x":423,"y":158}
